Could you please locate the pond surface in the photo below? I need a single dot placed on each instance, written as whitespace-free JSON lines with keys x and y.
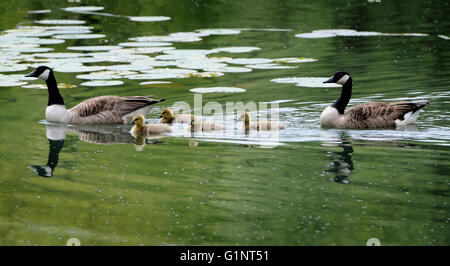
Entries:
{"x":309,"y":186}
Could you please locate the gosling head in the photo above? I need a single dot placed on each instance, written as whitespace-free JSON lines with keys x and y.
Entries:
{"x":138,"y":120}
{"x":42,"y":72}
{"x":340,"y":77}
{"x":166,"y":114}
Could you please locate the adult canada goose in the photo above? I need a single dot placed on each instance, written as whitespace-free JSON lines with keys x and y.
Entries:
{"x":366,"y":115}
{"x":261,"y":124}
{"x":99,"y":110}
{"x":140,"y":128}
{"x":168,"y":117}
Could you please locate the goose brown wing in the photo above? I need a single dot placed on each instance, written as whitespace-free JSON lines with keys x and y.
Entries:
{"x":370,"y":115}
{"x":115,"y":105}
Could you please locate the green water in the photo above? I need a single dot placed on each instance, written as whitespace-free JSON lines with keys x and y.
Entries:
{"x":312,"y":187}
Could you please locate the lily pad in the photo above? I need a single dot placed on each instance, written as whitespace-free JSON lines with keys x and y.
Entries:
{"x":149,"y":18}
{"x":94,"y":48}
{"x":144,"y":44}
{"x":98,"y":83}
{"x":77,"y":69}
{"x":93,"y":76}
{"x":313,"y":82}
{"x":59,"y":55}
{"x":129,"y":67}
{"x":205,"y":75}
{"x":248,"y":61}
{"x":40,"y":41}
{"x":269,"y":66}
{"x":42,"y":11}
{"x":13,"y":67}
{"x":60,"y":22}
{"x":228,"y":69}
{"x":154,"y":82}
{"x":173,"y":37}
{"x":219,"y":31}
{"x":83,"y":8}
{"x":289,"y":60}
{"x":217,"y":90}
{"x":239,"y":49}
{"x":79,"y":36}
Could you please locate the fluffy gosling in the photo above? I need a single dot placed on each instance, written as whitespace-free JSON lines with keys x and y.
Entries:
{"x":140,"y":128}
{"x":199,"y":125}
{"x":167,"y":117}
{"x":261,"y":124}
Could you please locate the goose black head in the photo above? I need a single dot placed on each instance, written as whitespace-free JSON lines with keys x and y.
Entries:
{"x":340,"y":77}
{"x":42,"y":72}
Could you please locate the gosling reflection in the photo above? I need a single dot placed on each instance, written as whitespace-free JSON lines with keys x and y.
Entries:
{"x":342,"y":163}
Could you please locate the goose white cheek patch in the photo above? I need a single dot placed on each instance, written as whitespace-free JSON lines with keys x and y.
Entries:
{"x":343,"y":80}
{"x":44,"y":75}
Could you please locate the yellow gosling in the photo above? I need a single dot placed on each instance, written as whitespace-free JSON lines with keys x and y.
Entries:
{"x":199,"y":125}
{"x":260,"y":125}
{"x":140,"y":128}
{"x":167,"y":117}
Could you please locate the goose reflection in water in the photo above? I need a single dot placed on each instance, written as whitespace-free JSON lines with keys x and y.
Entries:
{"x":342,"y":163}
{"x":97,"y":134}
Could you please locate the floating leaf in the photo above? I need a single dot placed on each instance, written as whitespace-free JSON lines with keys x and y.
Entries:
{"x":154,"y":82}
{"x":219,"y":31}
{"x":314,"y":82}
{"x":149,"y":18}
{"x":217,"y":90}
{"x":248,"y":61}
{"x":144,"y":44}
{"x":79,"y":36}
{"x":83,"y":8}
{"x":269,"y":66}
{"x":241,"y":49}
{"x":289,"y":60}
{"x":98,"y":83}
{"x":98,"y":76}
{"x":94,"y":48}
{"x":43,"y":11}
{"x":60,"y":21}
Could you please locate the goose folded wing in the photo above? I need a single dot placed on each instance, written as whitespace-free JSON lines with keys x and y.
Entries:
{"x":112,"y":104}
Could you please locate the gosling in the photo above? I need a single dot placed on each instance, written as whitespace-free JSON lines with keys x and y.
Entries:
{"x":199,"y":125}
{"x":140,"y":128}
{"x":167,"y":117}
{"x":260,"y":125}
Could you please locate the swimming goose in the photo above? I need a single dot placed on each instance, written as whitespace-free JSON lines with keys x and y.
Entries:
{"x":168,"y":117}
{"x":261,"y":124}
{"x":140,"y":128}
{"x":366,"y":115}
{"x":99,"y":110}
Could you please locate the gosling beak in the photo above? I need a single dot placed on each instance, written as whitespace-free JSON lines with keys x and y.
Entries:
{"x":160,"y":116}
{"x":32,"y":74}
{"x":132,"y":122}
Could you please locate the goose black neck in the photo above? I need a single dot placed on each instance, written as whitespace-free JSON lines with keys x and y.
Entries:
{"x":53,"y":155}
{"x":54,"y":97}
{"x":344,"y":99}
